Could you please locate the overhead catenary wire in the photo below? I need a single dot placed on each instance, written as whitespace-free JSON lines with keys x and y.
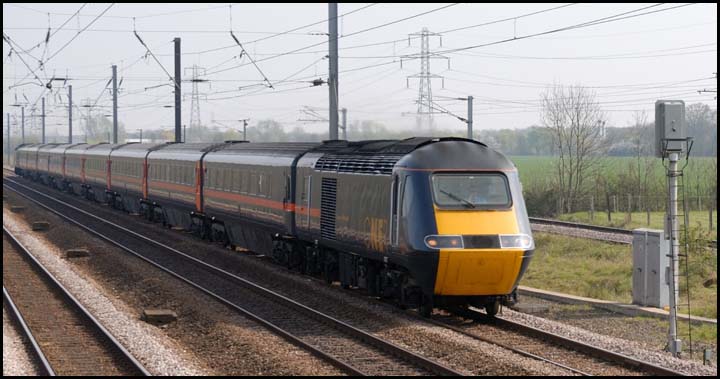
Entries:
{"x":280,"y":33}
{"x":172,"y":79}
{"x":78,"y":33}
{"x":274,"y":81}
{"x":121,"y":17}
{"x":9,"y":42}
{"x":65,"y":46}
{"x":603,"y":20}
{"x":346,"y":35}
{"x":237,"y":41}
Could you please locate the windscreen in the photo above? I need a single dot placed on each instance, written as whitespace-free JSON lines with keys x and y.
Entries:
{"x":482,"y":190}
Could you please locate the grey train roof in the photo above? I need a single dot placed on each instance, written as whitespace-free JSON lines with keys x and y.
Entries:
{"x":270,"y":148}
{"x":381,"y":156}
{"x":371,"y":157}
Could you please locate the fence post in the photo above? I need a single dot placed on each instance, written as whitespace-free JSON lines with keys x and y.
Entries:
{"x":647,"y":208}
{"x":607,"y":203}
{"x":629,"y":208}
{"x":592,"y":208}
{"x":710,"y":220}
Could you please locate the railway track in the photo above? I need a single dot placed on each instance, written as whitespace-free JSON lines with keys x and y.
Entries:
{"x":553,"y":350}
{"x":355,"y":351}
{"x":602,"y":233}
{"x":65,"y":338}
{"x":548,"y":347}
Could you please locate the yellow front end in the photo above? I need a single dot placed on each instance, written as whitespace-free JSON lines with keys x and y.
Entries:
{"x":473,"y":272}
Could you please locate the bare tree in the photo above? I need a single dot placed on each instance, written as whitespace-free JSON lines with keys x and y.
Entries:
{"x":577,"y":123}
{"x":642,"y":138}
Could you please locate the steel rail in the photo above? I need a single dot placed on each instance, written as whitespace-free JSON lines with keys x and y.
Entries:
{"x":45,"y":367}
{"x":75,"y":304}
{"x":339,"y":325}
{"x":595,"y":351}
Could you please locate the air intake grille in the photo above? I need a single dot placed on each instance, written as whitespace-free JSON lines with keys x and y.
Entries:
{"x":328,"y":202}
{"x":365,"y":164}
{"x":491,"y":241}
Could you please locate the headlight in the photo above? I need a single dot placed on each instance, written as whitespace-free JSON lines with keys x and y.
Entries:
{"x":516,"y":241}
{"x":444,"y":242}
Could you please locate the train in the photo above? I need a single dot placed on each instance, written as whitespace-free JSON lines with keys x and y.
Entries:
{"x":427,"y":222}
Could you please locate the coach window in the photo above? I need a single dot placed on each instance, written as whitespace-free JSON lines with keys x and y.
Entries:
{"x":216,"y":178}
{"x":235,"y":180}
{"x":244,"y":181}
{"x":227,"y":178}
{"x":253,"y":183}
{"x":261,"y":184}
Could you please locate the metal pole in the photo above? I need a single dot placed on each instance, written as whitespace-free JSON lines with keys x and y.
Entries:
{"x":22,"y":113}
{"x":115,"y":120}
{"x":70,"y":114}
{"x":87,"y":121}
{"x":43,"y":120}
{"x":178,"y":94}
{"x":244,"y":130}
{"x":344,"y":123}
{"x":333,"y":77}
{"x":8,"y":142}
{"x":140,"y":135}
{"x":469,"y":117}
{"x":673,"y":341}
{"x":185,"y":133}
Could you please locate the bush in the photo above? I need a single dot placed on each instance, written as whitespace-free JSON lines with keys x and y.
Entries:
{"x":541,"y":202}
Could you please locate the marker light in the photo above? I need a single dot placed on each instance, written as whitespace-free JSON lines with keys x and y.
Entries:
{"x":516,"y":241}
{"x":444,"y":242}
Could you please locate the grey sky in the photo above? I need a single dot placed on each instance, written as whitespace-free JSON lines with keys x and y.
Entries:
{"x":631,"y":62}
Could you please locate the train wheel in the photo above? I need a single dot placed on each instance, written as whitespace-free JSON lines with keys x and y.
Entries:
{"x":426,"y":307}
{"x":492,"y":308}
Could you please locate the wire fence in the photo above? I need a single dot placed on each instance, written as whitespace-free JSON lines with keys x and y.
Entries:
{"x":624,"y":208}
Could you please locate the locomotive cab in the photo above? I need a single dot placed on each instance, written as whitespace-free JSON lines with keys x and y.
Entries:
{"x":472,"y":227}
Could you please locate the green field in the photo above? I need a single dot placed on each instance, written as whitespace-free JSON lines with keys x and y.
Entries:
{"x":604,"y":271}
{"x":614,"y":185}
{"x":698,"y":219}
{"x":539,"y":169}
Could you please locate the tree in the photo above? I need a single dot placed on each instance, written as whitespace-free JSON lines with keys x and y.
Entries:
{"x":702,"y":126}
{"x":642,"y":140}
{"x":576,"y":121}
{"x":98,"y":128}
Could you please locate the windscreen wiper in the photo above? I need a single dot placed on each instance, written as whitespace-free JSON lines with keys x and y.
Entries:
{"x":458,"y":198}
